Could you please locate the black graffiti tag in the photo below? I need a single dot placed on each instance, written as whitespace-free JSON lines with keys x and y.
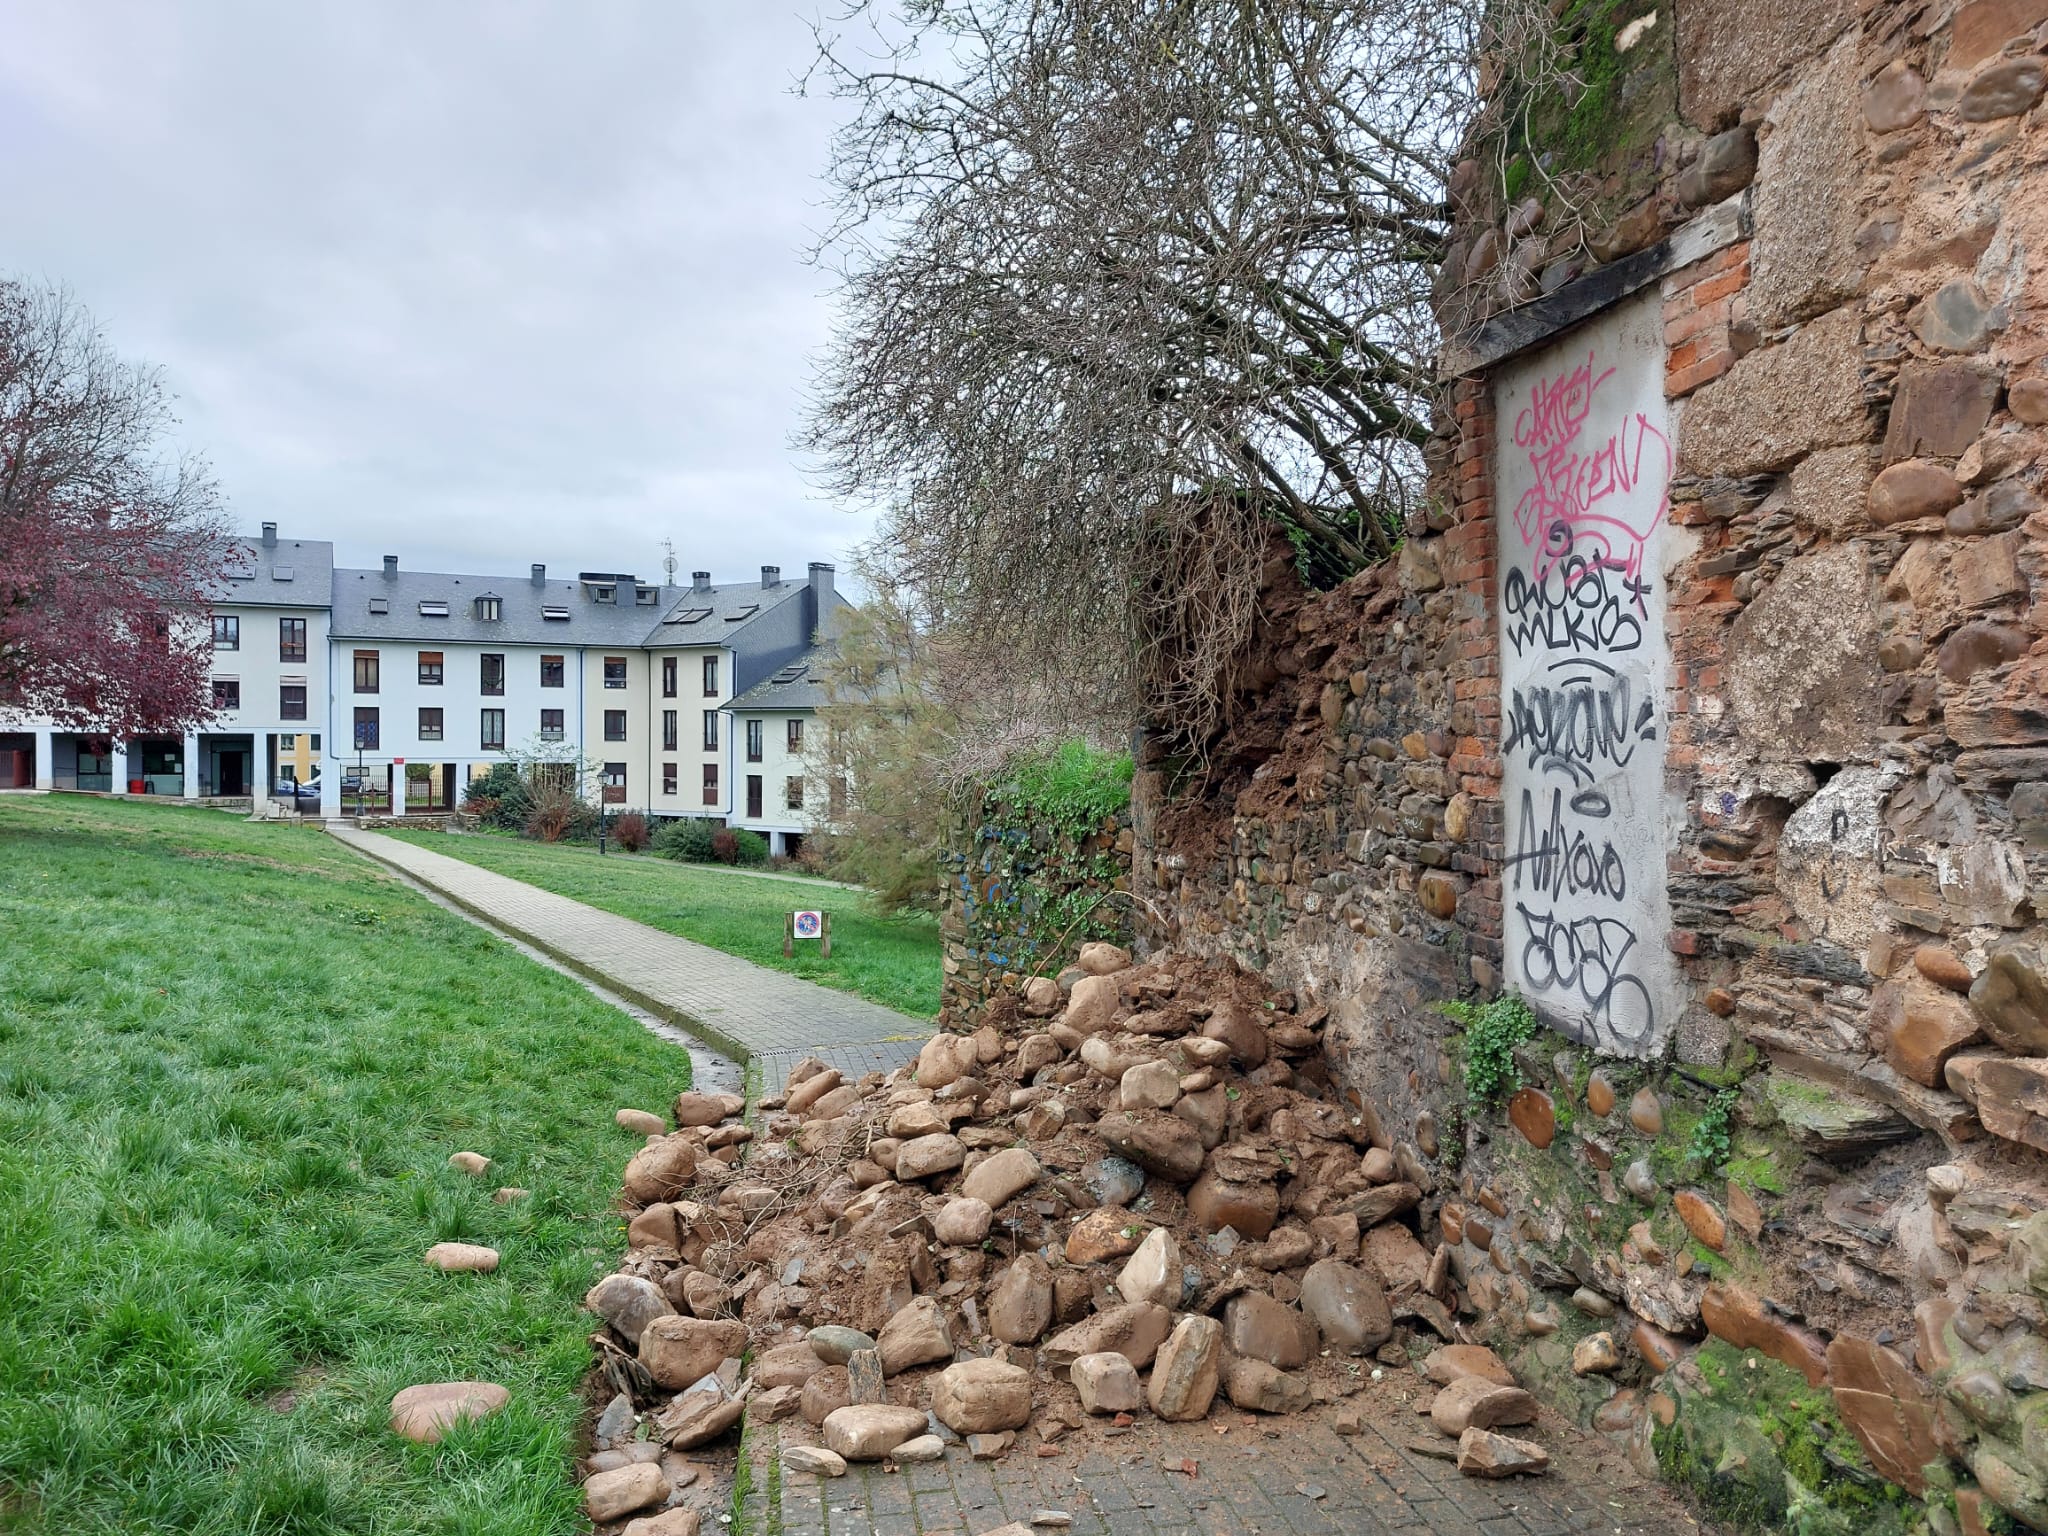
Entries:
{"x":1588,"y":956}
{"x":1561,"y":860}
{"x":1578,"y":605}
{"x":1578,"y":725}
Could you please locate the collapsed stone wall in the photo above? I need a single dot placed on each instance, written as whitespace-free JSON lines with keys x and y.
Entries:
{"x":1762,"y":440}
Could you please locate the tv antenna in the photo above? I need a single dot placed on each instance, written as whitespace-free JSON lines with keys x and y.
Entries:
{"x":669,"y":561}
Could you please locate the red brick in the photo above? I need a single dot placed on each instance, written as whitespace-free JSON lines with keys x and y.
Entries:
{"x":1722,"y":287}
{"x":1705,"y":371}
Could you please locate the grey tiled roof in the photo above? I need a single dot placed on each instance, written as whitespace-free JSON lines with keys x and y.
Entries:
{"x":292,"y":573}
{"x":797,"y":686}
{"x":625,"y":622}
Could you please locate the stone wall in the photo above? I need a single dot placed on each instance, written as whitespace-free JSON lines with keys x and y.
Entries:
{"x":1800,"y":1172}
{"x":1020,"y":893}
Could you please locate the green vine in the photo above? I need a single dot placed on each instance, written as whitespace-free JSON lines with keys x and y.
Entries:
{"x":1492,"y":1031}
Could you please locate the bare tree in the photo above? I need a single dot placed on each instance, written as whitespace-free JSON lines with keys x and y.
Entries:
{"x":1129,"y":287}
{"x":110,"y":548}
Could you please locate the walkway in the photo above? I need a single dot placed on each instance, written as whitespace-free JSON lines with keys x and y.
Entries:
{"x":752,"y":1013}
{"x":1233,"y":1475}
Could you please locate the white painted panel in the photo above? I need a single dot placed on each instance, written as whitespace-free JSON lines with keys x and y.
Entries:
{"x":1582,"y":487}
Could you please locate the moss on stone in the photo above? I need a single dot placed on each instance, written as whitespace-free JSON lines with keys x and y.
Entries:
{"x":1766,"y":1451}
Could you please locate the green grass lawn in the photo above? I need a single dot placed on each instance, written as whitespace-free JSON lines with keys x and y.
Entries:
{"x":233,"y":1062}
{"x":889,"y":960}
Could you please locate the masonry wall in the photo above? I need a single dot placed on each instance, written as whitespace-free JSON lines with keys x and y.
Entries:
{"x":1806,"y":1157}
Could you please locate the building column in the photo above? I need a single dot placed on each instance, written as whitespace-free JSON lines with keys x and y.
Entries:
{"x":127,"y":764}
{"x":262,"y":770}
{"x":330,"y":783}
{"x":46,"y":759}
{"x":191,"y":764}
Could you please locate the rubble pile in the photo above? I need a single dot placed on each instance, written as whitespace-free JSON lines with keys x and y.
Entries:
{"x":1135,"y":1192}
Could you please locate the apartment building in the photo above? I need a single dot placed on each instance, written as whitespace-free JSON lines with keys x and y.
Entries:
{"x":782,"y":791}
{"x":269,"y":627}
{"x":439,"y":675}
{"x":394,"y":688}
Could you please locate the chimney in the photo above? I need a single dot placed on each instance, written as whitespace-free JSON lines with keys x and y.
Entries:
{"x":700,"y":581}
{"x":270,"y":535}
{"x":390,"y":566}
{"x":771,"y":576}
{"x":540,"y":574}
{"x":821,"y":594}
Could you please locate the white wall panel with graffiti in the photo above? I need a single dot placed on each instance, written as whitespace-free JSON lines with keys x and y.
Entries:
{"x":1583,"y":488}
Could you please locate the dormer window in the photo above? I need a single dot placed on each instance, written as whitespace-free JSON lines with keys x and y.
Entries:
{"x":645,"y":596}
{"x":490,"y":609}
{"x":433,"y":608}
{"x":605,"y":594}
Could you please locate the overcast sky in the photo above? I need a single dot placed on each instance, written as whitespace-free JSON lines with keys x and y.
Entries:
{"x":475,"y":283}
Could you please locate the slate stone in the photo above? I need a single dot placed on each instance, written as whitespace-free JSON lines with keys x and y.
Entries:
{"x":1895,"y":99}
{"x":2004,"y":89}
{"x":1939,"y":409}
{"x":1956,"y":317}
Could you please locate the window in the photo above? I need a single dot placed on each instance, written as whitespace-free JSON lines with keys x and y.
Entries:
{"x":793,"y":793}
{"x":554,"y":614}
{"x":754,"y":796}
{"x":615,"y":725}
{"x":605,"y":594}
{"x":644,"y":596}
{"x":490,"y":609}
{"x":753,"y":741}
{"x":291,"y":639}
{"x":551,"y":725}
{"x":551,"y":671}
{"x":227,"y":693}
{"x":433,"y":608}
{"x":287,"y":742}
{"x":368,"y":737}
{"x":615,"y":671}
{"x":430,"y":725}
{"x":668,"y":778}
{"x":711,"y":783}
{"x":227,"y":632}
{"x":710,"y":677}
{"x":430,"y":669}
{"x":613,"y":780}
{"x":795,"y":736}
{"x":380,"y":605}
{"x":493,"y":676}
{"x":291,"y":701}
{"x":366,"y":671}
{"x":668,"y":730}
{"x":710,"y":730}
{"x":494,"y":730}
{"x":668,"y":677}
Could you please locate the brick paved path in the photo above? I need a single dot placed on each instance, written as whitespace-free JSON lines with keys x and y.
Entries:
{"x":744,"y":1009}
{"x":1270,"y":1477}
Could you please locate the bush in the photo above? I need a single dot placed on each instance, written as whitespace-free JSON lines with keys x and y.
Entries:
{"x":687,"y":838}
{"x":725,"y":846}
{"x":500,"y":798}
{"x":556,"y":814}
{"x":749,"y":848}
{"x":631,"y":833}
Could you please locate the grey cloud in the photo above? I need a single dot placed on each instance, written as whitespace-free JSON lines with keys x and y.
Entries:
{"x":476,"y":283}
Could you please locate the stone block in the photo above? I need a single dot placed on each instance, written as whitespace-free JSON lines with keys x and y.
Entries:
{"x":1779,"y":402}
{"x":1187,"y":1371}
{"x":1802,"y":668}
{"x":1803,"y":258}
{"x":1729,"y":50}
{"x":1108,"y":1383}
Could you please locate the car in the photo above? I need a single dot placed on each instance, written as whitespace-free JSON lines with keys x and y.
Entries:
{"x":303,"y":798}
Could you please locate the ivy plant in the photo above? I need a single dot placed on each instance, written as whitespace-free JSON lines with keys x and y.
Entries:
{"x":1492,"y":1031}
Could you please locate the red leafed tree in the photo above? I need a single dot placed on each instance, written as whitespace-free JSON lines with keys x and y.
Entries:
{"x":110,"y":546}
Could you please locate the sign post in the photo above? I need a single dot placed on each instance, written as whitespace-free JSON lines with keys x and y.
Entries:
{"x":807,"y":925}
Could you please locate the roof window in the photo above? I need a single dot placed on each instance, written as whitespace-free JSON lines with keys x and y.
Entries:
{"x":554,"y":614}
{"x":380,"y":605}
{"x":433,"y":608}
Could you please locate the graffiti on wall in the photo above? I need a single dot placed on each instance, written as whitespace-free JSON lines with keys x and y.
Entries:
{"x":1584,"y":481}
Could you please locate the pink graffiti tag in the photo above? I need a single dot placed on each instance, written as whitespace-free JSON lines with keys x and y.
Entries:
{"x":1602,"y":502}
